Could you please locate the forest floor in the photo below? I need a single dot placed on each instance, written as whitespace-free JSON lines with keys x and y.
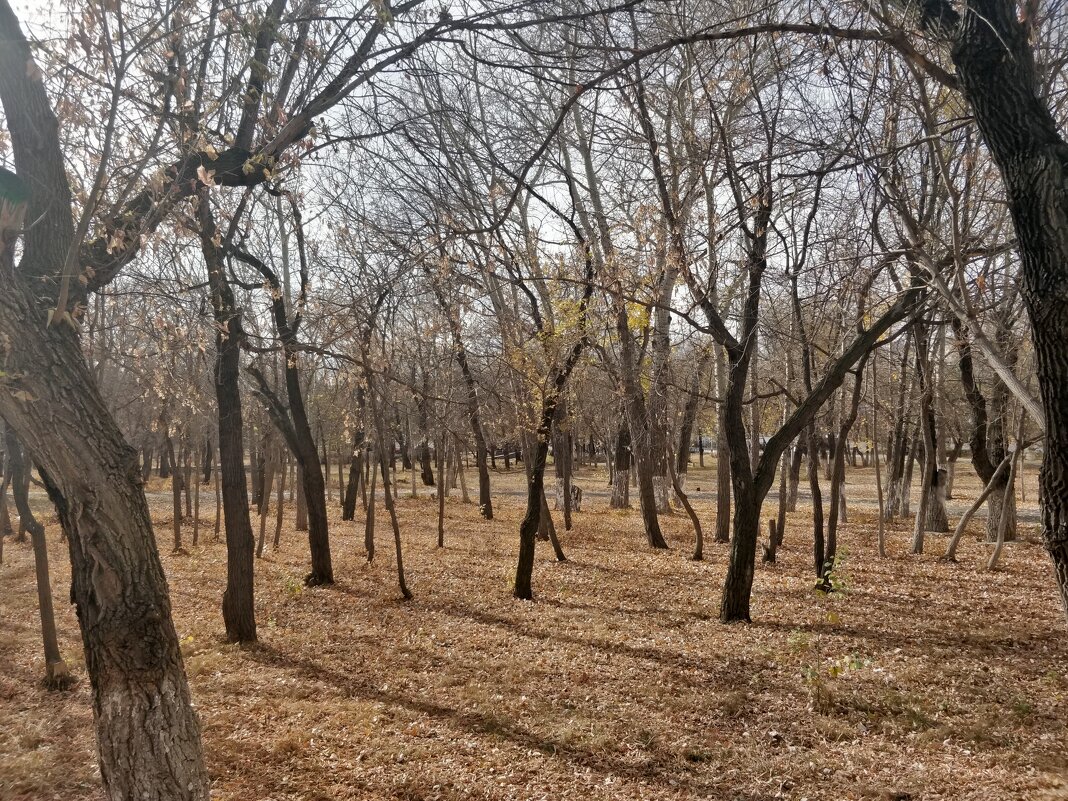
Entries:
{"x":919,"y":680}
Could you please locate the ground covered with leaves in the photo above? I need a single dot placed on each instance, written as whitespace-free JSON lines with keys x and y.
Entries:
{"x":918,"y":680}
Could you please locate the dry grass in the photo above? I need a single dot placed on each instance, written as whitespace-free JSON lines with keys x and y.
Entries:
{"x":921,"y":681}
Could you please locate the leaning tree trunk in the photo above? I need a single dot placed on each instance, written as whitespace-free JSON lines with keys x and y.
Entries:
{"x":148,"y":739}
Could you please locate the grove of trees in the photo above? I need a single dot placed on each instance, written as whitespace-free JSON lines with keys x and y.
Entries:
{"x":254,"y":247}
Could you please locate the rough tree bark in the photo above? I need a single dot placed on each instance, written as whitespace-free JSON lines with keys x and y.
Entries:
{"x":995,"y":62}
{"x":148,"y":738}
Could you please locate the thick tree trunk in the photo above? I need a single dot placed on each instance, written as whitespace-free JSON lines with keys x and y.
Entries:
{"x":148,"y":738}
{"x":738,"y":585}
{"x":996,"y":64}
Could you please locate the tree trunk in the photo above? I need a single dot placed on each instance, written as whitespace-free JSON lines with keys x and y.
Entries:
{"x":369,"y":520}
{"x":819,"y":549}
{"x":738,"y":585}
{"x":176,"y":496}
{"x":391,"y":508}
{"x":148,"y":738}
{"x":995,"y":61}
{"x":621,"y":473}
{"x":723,"y":483}
{"x":56,"y":674}
{"x":838,"y":472}
{"x":238,"y":605}
{"x":443,"y":488}
{"x":270,"y":463}
{"x":795,"y":477}
{"x":281,"y":503}
{"x":352,"y":489}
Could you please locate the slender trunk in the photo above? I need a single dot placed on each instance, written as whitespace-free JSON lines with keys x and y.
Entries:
{"x":443,"y":485}
{"x":207,"y":461}
{"x":218,"y":503}
{"x":875,"y":454}
{"x":387,"y":497}
{"x":281,"y":503}
{"x":621,"y":473}
{"x":457,"y":455}
{"x":176,"y":497}
{"x":838,"y":473}
{"x":819,"y":552}
{"x":196,"y":513}
{"x":550,"y":529}
{"x":231,"y":484}
{"x":1010,"y":488}
{"x":992,"y":486}
{"x":265,"y":503}
{"x":795,"y":477}
{"x":56,"y":674}
{"x":676,"y":484}
{"x":369,"y":520}
{"x":352,"y":490}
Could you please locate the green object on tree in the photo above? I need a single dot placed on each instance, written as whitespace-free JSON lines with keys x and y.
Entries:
{"x":14,"y":195}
